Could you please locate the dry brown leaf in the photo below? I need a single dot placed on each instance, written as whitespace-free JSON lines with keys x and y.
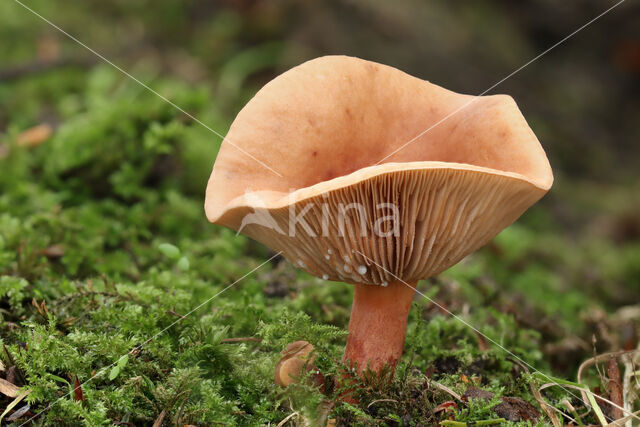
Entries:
{"x":12,"y":374}
{"x":34,"y":136}
{"x":48,"y":48}
{"x":8,"y":389}
{"x":77,"y":390}
{"x":13,"y":403}
{"x":19,"y":413}
{"x":53,"y":251}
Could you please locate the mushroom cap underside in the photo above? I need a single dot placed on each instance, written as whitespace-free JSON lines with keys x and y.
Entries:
{"x":385,"y":223}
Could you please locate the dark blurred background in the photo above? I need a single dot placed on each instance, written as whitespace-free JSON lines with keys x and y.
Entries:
{"x":582,"y":98}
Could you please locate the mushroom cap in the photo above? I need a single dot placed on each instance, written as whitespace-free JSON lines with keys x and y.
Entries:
{"x":362,"y":193}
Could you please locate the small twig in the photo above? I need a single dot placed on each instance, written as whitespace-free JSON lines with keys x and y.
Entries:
{"x":615,"y":388}
{"x":569,"y":406}
{"x":6,"y":351}
{"x":380,"y":401}
{"x":283,"y":422}
{"x":626,"y":387}
{"x":446,"y":390}
{"x":160,"y":419}
{"x":547,"y":408}
{"x":9,"y":389}
{"x":594,"y":360}
{"x":627,"y":419}
{"x":174,"y":313}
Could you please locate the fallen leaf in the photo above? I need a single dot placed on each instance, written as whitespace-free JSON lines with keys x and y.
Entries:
{"x":8,"y":389}
{"x":19,"y":413}
{"x":445,"y":406}
{"x":13,"y":403}
{"x":34,"y":136}
{"x":482,"y":343}
{"x":515,"y":409}
{"x":53,"y":251}
{"x":77,"y":390}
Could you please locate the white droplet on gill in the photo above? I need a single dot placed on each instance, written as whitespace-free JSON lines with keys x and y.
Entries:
{"x":325,"y":277}
{"x":302,"y":264}
{"x":329,"y":251}
{"x":385,"y":284}
{"x":347,"y":269}
{"x":362,"y":269}
{"x":327,"y":257}
{"x":346,"y":259}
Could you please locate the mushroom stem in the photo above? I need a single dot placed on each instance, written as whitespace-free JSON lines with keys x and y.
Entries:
{"x":378,"y":325}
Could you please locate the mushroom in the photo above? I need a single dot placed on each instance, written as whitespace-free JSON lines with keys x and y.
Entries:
{"x":372,"y":177}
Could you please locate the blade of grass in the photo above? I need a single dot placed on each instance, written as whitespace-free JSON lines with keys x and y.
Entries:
{"x":13,"y":404}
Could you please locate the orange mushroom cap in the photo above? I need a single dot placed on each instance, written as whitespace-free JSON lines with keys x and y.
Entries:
{"x":341,"y":131}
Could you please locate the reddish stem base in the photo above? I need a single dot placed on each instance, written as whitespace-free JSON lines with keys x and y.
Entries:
{"x":378,"y":325}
